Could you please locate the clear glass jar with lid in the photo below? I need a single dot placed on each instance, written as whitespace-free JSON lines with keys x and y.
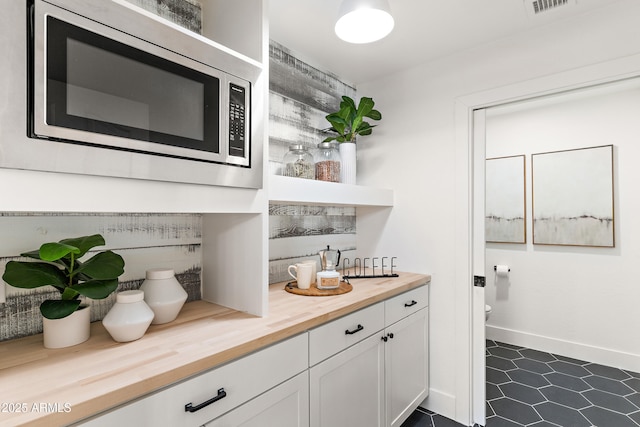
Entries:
{"x":327,"y":162}
{"x":298,"y":162}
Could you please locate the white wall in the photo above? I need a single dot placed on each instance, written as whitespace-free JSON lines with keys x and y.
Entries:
{"x":575,"y":301}
{"x":413,"y":151}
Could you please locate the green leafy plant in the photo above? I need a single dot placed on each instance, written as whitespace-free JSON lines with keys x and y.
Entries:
{"x":95,"y":278}
{"x":349,"y":122}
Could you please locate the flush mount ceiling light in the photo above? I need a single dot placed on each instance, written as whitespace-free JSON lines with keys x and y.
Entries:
{"x":364,"y":21}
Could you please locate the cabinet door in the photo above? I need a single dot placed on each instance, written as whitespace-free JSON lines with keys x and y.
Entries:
{"x":286,"y":405}
{"x":347,"y":390}
{"x":406,"y":366}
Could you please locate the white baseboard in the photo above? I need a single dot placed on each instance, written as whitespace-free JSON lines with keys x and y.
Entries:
{"x":441,"y":403}
{"x":603,"y":356}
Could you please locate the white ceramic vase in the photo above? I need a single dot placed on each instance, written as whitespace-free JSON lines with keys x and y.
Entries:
{"x":348,"y":162}
{"x":129,"y":318}
{"x":68,"y":331}
{"x":164,"y":294}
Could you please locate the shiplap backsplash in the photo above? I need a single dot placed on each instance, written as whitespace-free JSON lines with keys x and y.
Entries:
{"x":186,"y":13}
{"x":144,"y":241}
{"x":297,"y":233}
{"x":300,"y":97}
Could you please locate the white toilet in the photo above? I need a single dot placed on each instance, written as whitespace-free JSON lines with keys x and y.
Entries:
{"x":487,"y":311}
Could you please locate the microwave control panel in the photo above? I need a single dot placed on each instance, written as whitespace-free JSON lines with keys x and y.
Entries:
{"x":237,"y":121}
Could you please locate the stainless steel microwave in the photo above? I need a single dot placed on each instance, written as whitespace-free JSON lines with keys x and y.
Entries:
{"x":115,"y":83}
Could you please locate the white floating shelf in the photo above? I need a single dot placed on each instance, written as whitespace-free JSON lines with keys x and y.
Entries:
{"x":284,"y":189}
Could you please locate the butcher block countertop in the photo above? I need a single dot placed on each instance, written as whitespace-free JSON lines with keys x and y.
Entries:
{"x":46,"y":387}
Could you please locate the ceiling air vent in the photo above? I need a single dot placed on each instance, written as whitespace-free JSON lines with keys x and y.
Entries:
{"x":535,"y":7}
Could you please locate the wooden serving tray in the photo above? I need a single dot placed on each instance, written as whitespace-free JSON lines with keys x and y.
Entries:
{"x":313,"y":291}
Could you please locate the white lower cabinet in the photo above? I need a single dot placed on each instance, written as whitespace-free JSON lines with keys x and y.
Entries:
{"x":366,"y":369}
{"x":379,"y":373}
{"x":347,"y":390}
{"x":406,"y":366}
{"x":287,"y":405}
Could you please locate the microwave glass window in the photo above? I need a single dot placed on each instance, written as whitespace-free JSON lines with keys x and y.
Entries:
{"x":113,"y":89}
{"x":100,"y":85}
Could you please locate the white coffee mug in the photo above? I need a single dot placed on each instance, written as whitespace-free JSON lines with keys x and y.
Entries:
{"x":314,"y":266}
{"x":303,"y":274}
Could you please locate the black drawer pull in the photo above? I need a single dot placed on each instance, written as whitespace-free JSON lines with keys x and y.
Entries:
{"x":358,"y":329}
{"x":411,"y":304}
{"x":190,"y":408}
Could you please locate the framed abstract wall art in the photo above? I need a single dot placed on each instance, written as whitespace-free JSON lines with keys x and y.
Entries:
{"x":573,"y":197}
{"x":505,"y":203}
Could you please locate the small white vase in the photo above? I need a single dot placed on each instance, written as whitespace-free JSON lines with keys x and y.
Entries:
{"x":164,"y":294}
{"x":68,"y":331}
{"x":348,"y":162}
{"x":129,"y":318}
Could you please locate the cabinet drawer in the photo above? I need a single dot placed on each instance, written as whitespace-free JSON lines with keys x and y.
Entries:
{"x":239,"y":381}
{"x":405,"y":304}
{"x":287,"y":405}
{"x":329,"y":339}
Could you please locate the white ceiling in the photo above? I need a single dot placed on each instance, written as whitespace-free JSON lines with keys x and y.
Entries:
{"x":424,"y":30}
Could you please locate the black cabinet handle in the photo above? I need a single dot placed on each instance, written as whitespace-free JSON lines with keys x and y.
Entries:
{"x":358,"y":329}
{"x":385,"y":339}
{"x":411,"y":304}
{"x":190,"y":408}
{"x":390,"y":335}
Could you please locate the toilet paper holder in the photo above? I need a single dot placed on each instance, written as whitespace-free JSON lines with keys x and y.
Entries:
{"x":495,"y":268}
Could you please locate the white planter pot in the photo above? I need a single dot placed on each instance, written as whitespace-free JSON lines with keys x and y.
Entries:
{"x":347,"y":162}
{"x":71,"y":330}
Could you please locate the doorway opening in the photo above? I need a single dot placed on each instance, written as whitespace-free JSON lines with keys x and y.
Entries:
{"x":469,"y":240}
{"x":553,"y":359}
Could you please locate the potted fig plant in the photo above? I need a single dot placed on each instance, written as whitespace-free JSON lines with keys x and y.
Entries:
{"x":347,"y":123}
{"x":66,"y":321}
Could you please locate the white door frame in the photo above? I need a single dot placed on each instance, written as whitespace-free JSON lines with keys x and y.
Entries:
{"x":478,"y":368}
{"x":469,"y":170}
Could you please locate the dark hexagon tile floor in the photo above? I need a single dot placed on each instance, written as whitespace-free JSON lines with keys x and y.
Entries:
{"x":532,"y":388}
{"x":551,"y":390}
{"x":425,"y":418}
